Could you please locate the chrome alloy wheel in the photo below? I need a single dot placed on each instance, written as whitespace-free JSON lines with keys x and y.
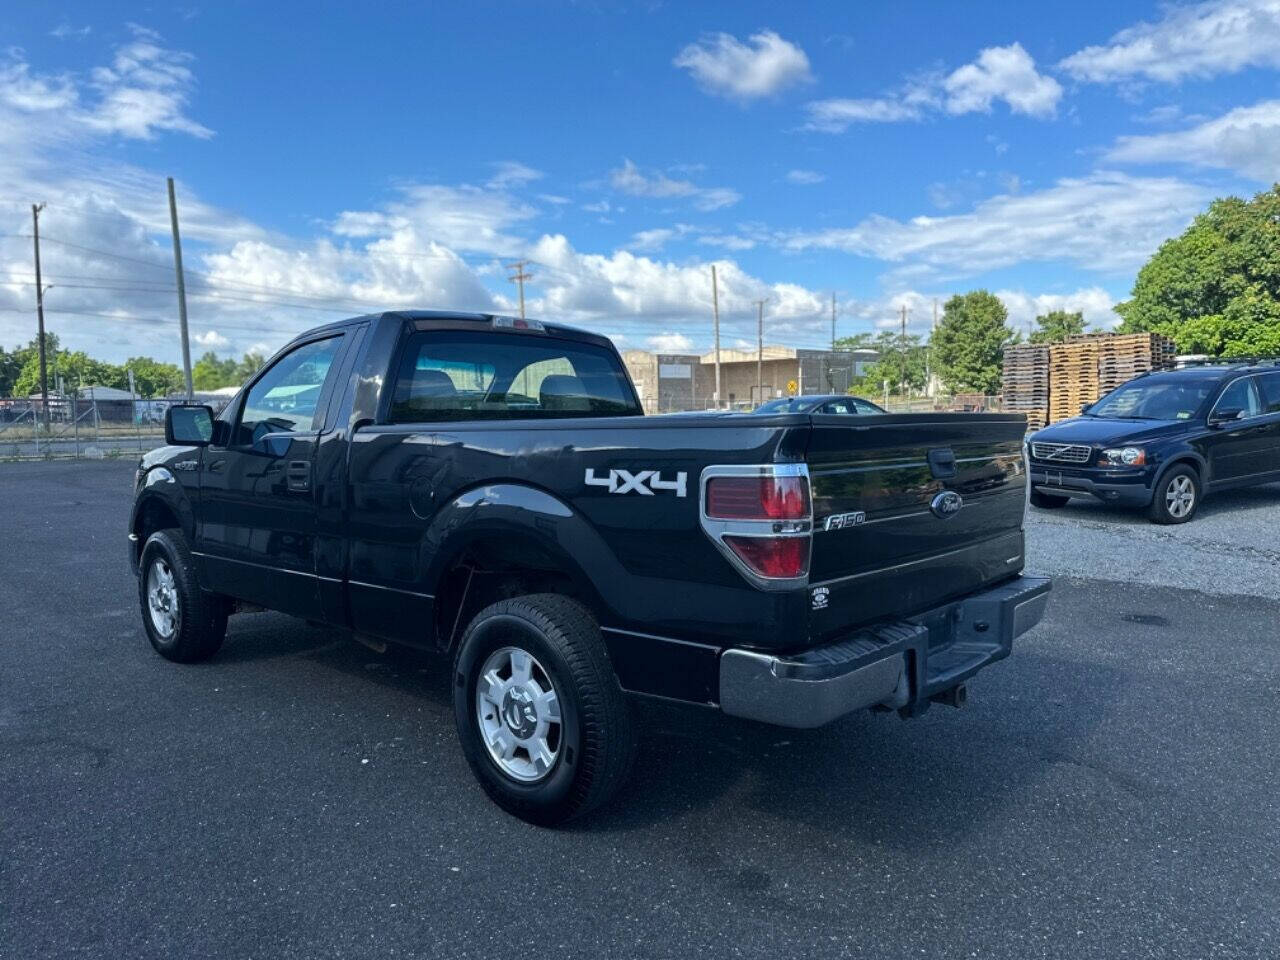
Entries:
{"x":1180,"y":496}
{"x":162,"y":599}
{"x":519,"y":714}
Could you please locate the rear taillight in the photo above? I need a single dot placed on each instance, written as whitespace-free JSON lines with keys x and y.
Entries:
{"x":758,"y":498}
{"x":773,"y":557}
{"x":761,"y":518}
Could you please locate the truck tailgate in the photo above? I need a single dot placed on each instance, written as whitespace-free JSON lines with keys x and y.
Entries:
{"x":885,"y":541}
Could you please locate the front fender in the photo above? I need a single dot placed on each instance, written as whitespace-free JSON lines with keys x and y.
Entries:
{"x":161,"y":501}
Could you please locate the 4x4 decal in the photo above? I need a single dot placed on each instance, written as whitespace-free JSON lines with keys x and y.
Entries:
{"x":645,"y":482}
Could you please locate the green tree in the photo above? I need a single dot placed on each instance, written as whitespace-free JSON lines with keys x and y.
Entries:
{"x":151,"y":378}
{"x":858,"y":341}
{"x":1216,"y":288}
{"x":902,"y":360}
{"x":1056,"y":326}
{"x":969,"y":342}
{"x":211,"y":373}
{"x":249,"y":364}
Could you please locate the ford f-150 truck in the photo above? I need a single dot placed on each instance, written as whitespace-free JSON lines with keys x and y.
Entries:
{"x":489,"y":488}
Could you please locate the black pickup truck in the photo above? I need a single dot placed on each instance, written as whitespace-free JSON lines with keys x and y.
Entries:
{"x":487,"y":487}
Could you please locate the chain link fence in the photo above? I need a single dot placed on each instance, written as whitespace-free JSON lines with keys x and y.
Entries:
{"x":80,"y":427}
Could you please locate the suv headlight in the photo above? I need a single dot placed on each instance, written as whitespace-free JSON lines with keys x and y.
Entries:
{"x":1124,"y":457}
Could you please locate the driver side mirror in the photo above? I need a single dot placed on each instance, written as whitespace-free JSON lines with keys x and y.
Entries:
{"x":1221,"y":418}
{"x":1084,"y":407}
{"x":189,"y":426}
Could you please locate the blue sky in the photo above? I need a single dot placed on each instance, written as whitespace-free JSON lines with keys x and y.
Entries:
{"x":331,"y":160}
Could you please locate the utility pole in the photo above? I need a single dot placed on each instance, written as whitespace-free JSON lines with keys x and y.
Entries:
{"x":902,"y":346}
{"x":182,"y":292}
{"x":44,"y":376}
{"x":928,"y":353}
{"x":760,"y":349}
{"x":518,"y":278}
{"x":833,"y":321}
{"x":715,"y":313}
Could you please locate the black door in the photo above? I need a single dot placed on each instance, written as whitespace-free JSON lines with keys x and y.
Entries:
{"x":257,"y":520}
{"x":1269,"y":383}
{"x":1238,"y":448}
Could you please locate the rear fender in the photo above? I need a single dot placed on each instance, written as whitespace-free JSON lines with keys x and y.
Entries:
{"x":514,"y":512}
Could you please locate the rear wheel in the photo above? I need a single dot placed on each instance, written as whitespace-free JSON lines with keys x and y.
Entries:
{"x":542,"y":721}
{"x":1177,"y":496}
{"x":183,"y":623}
{"x":1047,"y":501}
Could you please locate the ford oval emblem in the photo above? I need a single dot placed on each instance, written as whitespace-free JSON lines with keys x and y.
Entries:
{"x":946,"y":504}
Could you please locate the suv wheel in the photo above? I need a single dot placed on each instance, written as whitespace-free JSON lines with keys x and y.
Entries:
{"x":1177,"y":496}
{"x":183,"y":622}
{"x":542,"y":722}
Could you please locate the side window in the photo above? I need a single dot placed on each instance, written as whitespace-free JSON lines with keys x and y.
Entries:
{"x":1241,"y":395}
{"x":863,"y":407}
{"x":1270,"y":383}
{"x":838,"y":406}
{"x":285,"y":398}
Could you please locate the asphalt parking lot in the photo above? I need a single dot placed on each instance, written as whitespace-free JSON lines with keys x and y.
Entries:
{"x":1111,"y":791}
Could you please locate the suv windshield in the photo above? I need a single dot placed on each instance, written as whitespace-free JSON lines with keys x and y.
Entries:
{"x":1154,"y":400}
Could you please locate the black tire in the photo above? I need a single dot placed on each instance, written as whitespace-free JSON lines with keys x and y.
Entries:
{"x":201,"y":620}
{"x":596,"y":737}
{"x":1047,"y":501}
{"x":1178,"y":478}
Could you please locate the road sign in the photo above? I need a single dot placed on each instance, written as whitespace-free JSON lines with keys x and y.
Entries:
{"x":791,"y":387}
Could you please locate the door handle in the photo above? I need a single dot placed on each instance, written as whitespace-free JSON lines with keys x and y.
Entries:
{"x":298,"y":475}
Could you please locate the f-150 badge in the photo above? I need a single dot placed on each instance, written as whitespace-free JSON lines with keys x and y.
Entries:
{"x":838,"y":521}
{"x":644,"y":482}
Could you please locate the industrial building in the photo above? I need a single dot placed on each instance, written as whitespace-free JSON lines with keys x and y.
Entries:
{"x":668,"y":383}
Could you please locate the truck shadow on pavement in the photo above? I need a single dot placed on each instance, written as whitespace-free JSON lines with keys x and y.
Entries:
{"x":869,"y":776}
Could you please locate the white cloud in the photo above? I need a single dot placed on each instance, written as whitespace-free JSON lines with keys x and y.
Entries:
{"x":145,"y":90}
{"x":212,"y":340}
{"x":511,"y":173}
{"x":836,"y":115}
{"x":805,"y":177}
{"x":762,"y":67}
{"x":1002,"y":73}
{"x":654,"y":239}
{"x":1105,"y":221}
{"x":1246,"y":140}
{"x":669,"y":343}
{"x":1202,"y":40}
{"x":628,"y":178}
{"x":64,"y":30}
{"x":1095,"y":303}
{"x":1006,"y":74}
{"x":727,"y":241}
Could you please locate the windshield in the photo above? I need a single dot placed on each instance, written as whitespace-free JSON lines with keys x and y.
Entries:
{"x":1154,"y":400}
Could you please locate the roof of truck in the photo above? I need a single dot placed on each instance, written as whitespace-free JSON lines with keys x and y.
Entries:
{"x":448,"y":317}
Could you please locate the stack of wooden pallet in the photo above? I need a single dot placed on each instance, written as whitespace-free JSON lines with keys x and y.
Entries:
{"x":1073,"y":376}
{"x":1026,"y":382}
{"x":1124,"y":356}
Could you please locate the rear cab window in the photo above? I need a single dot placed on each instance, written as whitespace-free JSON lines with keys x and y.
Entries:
{"x":449,"y":375}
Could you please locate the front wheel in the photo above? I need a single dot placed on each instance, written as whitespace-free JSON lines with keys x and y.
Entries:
{"x":1177,"y":496}
{"x":542,"y":721}
{"x":183,"y":623}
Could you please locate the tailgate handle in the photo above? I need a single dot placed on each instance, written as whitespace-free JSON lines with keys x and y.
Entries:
{"x":942,"y":463}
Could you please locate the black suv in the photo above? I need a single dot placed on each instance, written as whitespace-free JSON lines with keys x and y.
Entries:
{"x":1164,"y":440}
